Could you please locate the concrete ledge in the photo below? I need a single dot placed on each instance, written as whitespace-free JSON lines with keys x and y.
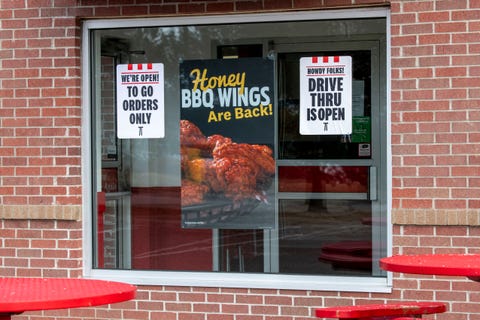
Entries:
{"x":452,"y":217}
{"x":43,"y":212}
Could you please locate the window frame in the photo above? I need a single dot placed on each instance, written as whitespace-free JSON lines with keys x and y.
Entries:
{"x":217,"y":279}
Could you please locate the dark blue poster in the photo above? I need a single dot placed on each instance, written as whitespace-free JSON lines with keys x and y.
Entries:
{"x":227,"y":143}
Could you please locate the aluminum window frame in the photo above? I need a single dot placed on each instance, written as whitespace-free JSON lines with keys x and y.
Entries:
{"x":216,"y":279}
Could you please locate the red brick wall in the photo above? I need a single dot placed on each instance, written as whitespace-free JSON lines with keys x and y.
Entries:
{"x":435,"y":142}
{"x":435,"y":71}
{"x":435,"y":98}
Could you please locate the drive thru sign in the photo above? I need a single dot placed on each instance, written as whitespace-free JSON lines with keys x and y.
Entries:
{"x":140,"y":101}
{"x":326,"y":95}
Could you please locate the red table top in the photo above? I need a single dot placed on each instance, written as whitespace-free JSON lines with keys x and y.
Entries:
{"x":467,"y":265}
{"x":375,"y":310}
{"x":28,"y":294}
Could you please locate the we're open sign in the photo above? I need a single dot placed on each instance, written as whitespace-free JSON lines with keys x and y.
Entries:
{"x":140,"y":101}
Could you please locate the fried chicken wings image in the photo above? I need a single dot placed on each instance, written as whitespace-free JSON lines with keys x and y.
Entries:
{"x":215,"y":165}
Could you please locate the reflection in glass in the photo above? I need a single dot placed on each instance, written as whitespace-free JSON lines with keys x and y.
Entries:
{"x":325,"y":237}
{"x":318,"y":230}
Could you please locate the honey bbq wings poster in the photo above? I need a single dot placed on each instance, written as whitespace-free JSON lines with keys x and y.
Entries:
{"x":227,"y":143}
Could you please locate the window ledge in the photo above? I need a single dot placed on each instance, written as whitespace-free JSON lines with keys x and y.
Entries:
{"x":41,"y":212}
{"x":250,"y":280}
{"x":436,"y":217}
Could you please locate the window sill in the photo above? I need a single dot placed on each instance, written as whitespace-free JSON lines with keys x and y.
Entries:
{"x":41,"y":212}
{"x":237,"y":280}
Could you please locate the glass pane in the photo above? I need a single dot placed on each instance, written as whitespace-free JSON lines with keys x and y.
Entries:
{"x":140,"y":223}
{"x":241,"y":250}
{"x":158,"y":240}
{"x":115,"y":231}
{"x":323,"y":179}
{"x":325,"y":237}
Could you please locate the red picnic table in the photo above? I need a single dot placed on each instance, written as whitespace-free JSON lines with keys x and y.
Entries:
{"x":467,"y":265}
{"x":18,"y":295}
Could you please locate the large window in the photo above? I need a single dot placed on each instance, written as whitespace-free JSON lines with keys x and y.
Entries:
{"x":219,"y":154}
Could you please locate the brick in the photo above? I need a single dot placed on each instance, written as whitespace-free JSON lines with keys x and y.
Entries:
{"x":39,"y":43}
{"x":418,"y":160}
{"x":451,"y":116}
{"x":12,"y":4}
{"x":249,"y":5}
{"x":433,"y":39}
{"x":178,"y":306}
{"x":434,"y":193}
{"x":415,"y":51}
{"x":449,"y":27}
{"x":450,"y":71}
{"x":450,"y":5}
{"x":295,"y":311}
{"x":39,"y":23}
{"x":48,"y":11}
{"x":334,"y":3}
{"x":191,"y":316}
{"x":134,"y":10}
{"x":465,"y":60}
{"x":106,"y":11}
{"x":25,"y":34}
{"x":417,"y":28}
{"x":29,"y":272}
{"x":434,"y":16}
{"x":194,"y":8}
{"x":64,"y":22}
{"x":277,"y":5}
{"x":223,"y":298}
{"x":14,"y":24}
{"x":417,"y":73}
{"x":220,"y":7}
{"x":224,"y":317}
{"x":25,"y":14}
{"x":304,"y":301}
{"x":13,"y":44}
{"x":29,"y":190}
{"x":264,"y":310}
{"x":418,"y":116}
{"x":418,"y":95}
{"x":206,"y":308}
{"x":163,"y":316}
{"x":417,"y":6}
{"x":163,"y":9}
{"x":403,"y":18}
{"x":449,"y":204}
{"x":404,"y":192}
{"x":251,"y":299}
{"x":194,"y":297}
{"x":308,"y":4}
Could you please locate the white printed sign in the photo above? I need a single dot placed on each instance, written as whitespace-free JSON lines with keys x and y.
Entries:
{"x":140,"y":101}
{"x":326,"y":95}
